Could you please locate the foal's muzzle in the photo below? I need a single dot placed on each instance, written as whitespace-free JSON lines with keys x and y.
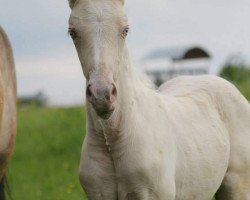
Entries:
{"x":102,"y":97}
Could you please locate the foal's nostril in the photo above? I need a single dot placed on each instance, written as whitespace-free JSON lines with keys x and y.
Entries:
{"x":114,"y":91}
{"x":89,"y":93}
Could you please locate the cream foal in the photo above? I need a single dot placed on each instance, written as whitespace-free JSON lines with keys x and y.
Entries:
{"x":7,"y":106}
{"x":183,"y":142}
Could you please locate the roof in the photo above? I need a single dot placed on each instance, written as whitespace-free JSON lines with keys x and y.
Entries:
{"x":165,"y":65}
{"x":178,"y":53}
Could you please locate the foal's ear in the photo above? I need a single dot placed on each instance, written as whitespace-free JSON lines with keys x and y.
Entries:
{"x":123,"y":2}
{"x":71,"y":3}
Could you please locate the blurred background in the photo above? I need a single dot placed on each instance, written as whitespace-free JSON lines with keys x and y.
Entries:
{"x":168,"y":38}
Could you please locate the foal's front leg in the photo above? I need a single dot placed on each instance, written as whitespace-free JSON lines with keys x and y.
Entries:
{"x":97,"y":174}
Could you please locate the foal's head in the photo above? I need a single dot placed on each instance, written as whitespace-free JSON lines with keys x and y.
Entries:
{"x":98,"y":29}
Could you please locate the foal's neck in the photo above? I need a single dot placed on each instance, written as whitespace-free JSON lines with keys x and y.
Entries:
{"x":129,"y":89}
{"x":128,"y":81}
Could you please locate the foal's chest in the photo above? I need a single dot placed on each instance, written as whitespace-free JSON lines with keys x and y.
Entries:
{"x":141,"y":175}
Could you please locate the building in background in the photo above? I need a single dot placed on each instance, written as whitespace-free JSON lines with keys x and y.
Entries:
{"x":39,"y":99}
{"x":164,"y":64}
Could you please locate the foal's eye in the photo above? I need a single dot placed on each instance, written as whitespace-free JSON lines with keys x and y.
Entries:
{"x":72,"y":33}
{"x":125,"y":32}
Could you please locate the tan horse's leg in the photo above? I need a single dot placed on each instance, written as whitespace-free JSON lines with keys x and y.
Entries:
{"x":2,"y":188}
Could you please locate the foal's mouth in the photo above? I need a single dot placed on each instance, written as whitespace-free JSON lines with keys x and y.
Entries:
{"x":104,"y":112}
{"x":103,"y":108}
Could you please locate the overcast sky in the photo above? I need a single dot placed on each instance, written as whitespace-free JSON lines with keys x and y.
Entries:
{"x":46,"y":59}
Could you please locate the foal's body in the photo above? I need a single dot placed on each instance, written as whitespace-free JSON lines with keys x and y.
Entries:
{"x":178,"y":143}
{"x":7,"y":104}
{"x":172,"y":145}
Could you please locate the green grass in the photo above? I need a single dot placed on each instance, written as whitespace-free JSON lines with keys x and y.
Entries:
{"x":46,"y":158}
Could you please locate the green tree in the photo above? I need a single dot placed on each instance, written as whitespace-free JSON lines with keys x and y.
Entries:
{"x":238,"y":73}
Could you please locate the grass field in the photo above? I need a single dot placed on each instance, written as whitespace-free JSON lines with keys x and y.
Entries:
{"x":45,"y":163}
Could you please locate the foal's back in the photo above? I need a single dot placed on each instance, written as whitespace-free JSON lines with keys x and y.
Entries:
{"x":7,"y":103}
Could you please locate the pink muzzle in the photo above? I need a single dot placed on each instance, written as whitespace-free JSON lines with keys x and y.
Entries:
{"x":102,"y":95}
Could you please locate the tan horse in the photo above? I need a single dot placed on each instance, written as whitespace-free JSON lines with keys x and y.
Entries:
{"x":7,"y":106}
{"x":182,"y":142}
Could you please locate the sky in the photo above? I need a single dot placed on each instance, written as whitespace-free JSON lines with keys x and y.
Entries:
{"x":46,"y":59}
